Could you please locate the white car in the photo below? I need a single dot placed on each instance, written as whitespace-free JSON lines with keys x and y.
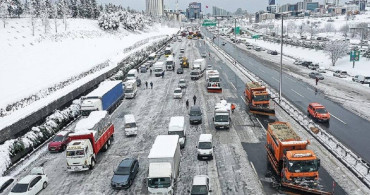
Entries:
{"x":340,"y":74}
{"x":209,"y":67}
{"x":177,"y":94}
{"x":31,"y":184}
{"x":182,"y":83}
{"x":5,"y":184}
{"x":201,"y":185}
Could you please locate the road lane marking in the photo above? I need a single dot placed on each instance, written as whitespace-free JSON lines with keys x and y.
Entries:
{"x":275,"y":79}
{"x":297,"y":93}
{"x":243,"y":100}
{"x":260,"y":123}
{"x":233,"y":85}
{"x":261,"y":70}
{"x":337,"y":118}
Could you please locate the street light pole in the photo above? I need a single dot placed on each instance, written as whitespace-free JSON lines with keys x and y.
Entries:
{"x":281,"y":57}
{"x":218,"y":30}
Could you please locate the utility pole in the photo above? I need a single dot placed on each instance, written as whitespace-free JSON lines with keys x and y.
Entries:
{"x":218,"y":30}
{"x":235,"y":30}
{"x":281,"y":57}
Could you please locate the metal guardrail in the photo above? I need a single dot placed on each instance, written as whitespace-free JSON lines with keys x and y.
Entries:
{"x":348,"y":158}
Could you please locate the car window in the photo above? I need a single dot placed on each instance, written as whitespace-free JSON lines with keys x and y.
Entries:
{"x":34,"y":181}
{"x":5,"y":185}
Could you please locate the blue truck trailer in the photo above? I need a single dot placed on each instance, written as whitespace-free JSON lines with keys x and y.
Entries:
{"x":106,"y":97}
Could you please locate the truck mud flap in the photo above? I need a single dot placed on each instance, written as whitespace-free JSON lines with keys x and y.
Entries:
{"x":299,"y":189}
{"x":214,"y":90}
{"x":262,"y":111}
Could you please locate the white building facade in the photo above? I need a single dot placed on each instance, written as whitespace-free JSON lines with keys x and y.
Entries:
{"x":154,"y":7}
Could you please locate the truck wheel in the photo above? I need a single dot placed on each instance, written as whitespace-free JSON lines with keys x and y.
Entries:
{"x":64,"y":147}
{"x":105,"y":147}
{"x":92,"y":164}
{"x":109,"y":142}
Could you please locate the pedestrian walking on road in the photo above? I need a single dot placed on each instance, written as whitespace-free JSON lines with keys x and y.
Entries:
{"x":146,"y":84}
{"x":162,"y":74}
{"x":151,"y":85}
{"x":150,"y":72}
{"x":317,"y":80}
{"x":195,"y":99}
{"x":187,"y":104}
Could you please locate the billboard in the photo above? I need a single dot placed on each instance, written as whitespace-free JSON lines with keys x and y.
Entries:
{"x":271,"y":2}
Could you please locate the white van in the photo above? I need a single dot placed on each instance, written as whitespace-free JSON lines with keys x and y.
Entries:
{"x":177,"y":127}
{"x":170,"y":63}
{"x":130,"y":88}
{"x":130,"y":125}
{"x":132,"y":74}
{"x":205,"y":147}
{"x":152,"y":57}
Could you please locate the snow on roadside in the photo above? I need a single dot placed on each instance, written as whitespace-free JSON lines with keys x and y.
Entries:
{"x":87,"y":45}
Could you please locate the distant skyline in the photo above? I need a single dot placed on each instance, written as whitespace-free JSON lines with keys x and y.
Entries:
{"x":228,"y":5}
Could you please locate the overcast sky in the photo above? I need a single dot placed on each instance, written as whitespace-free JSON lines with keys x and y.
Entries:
{"x":229,"y":5}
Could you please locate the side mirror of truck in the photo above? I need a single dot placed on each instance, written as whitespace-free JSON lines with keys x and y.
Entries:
{"x":318,"y":163}
{"x":196,"y":146}
{"x":210,"y":191}
{"x":188,"y":191}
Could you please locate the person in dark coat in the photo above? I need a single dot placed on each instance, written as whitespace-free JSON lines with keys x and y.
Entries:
{"x":151,"y":85}
{"x":146,"y":84}
{"x":195,"y":99}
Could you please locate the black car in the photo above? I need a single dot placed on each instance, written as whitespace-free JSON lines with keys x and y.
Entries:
{"x":274,"y":53}
{"x":125,"y":173}
{"x":138,"y":81}
{"x":180,"y":71}
{"x":306,"y":63}
{"x":195,"y":115}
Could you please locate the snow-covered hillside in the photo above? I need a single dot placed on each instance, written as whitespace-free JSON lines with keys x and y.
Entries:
{"x":30,"y":64}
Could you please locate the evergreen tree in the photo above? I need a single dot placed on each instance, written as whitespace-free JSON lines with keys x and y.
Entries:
{"x":36,"y":6}
{"x":95,"y":10}
{"x":73,"y":8}
{"x":49,"y":11}
{"x":26,"y":7}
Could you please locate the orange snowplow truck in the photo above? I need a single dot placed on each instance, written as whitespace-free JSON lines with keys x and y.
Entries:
{"x":291,"y":160}
{"x":258,"y":99}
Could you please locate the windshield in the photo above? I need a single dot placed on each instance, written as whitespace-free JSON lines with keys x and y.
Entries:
{"x":20,"y":187}
{"x":199,"y":190}
{"x":214,"y":79}
{"x":169,"y":62}
{"x":205,"y":145}
{"x":129,"y":91}
{"x":167,"y":52}
{"x":75,"y":153}
{"x":180,"y":133}
{"x":159,"y":182}
{"x":122,"y":171}
{"x":58,"y":138}
{"x":195,"y":113}
{"x":221,"y":118}
{"x":130,"y":125}
{"x":130,"y":75}
{"x":321,"y":110}
{"x":181,"y":82}
{"x":151,"y":58}
{"x":261,"y":98}
{"x":194,"y":73}
{"x":303,"y":166}
{"x":177,"y":91}
{"x":158,"y":70}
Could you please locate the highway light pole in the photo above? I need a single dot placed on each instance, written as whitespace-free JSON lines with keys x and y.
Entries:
{"x":281,"y":57}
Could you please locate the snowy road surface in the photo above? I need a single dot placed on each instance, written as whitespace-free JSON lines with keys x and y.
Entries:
{"x":231,"y":171}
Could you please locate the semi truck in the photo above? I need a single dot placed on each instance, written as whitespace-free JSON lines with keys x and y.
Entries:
{"x":289,"y":157}
{"x":158,"y":69}
{"x":106,"y":97}
{"x":221,"y":116}
{"x":213,"y":81}
{"x":91,"y":135}
{"x":258,"y":99}
{"x":197,"y":69}
{"x":164,"y":164}
{"x":170,"y":63}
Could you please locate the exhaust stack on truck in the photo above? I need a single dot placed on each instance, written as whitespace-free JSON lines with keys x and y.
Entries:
{"x":164,"y":164}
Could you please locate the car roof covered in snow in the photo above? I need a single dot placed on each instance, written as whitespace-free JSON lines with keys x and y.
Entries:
{"x":129,"y":118}
{"x":152,"y":55}
{"x":199,"y":60}
{"x":158,"y":64}
{"x":90,"y":121}
{"x":164,"y":146}
{"x":182,"y":80}
{"x":200,"y":180}
{"x":176,"y":123}
{"x":103,"y":88}
{"x":205,"y":138}
{"x":132,"y":71}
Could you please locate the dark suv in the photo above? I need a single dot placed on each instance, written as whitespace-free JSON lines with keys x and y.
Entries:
{"x":195,"y":115}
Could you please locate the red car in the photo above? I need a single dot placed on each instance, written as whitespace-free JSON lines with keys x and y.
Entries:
{"x":318,"y":112}
{"x":60,"y":141}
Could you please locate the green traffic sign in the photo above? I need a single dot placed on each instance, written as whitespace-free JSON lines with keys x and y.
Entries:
{"x":237,"y":30}
{"x":354,"y":56}
{"x":209,"y":23}
{"x":256,"y":36}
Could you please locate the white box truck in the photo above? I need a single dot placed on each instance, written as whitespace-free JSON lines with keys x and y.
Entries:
{"x":222,"y":113}
{"x":132,"y":74}
{"x":213,"y":81}
{"x":177,"y":127}
{"x":164,"y":164}
{"x":170,"y":63}
{"x":197,"y":69}
{"x":130,"y":88}
{"x":158,"y":69}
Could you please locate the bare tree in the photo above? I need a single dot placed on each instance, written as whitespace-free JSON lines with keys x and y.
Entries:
{"x":33,"y":18}
{"x":329,"y":27}
{"x":3,"y":11}
{"x":45,"y":16}
{"x":344,"y":30}
{"x":55,"y":18}
{"x":336,"y":50}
